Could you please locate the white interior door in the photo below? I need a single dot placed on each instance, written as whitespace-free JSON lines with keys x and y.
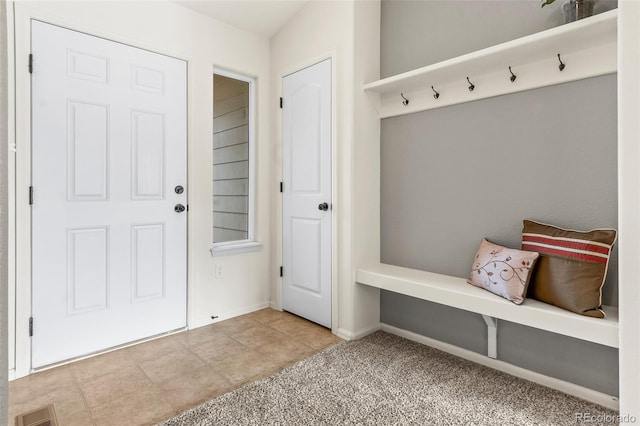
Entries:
{"x":306,"y":162}
{"x":108,"y":150}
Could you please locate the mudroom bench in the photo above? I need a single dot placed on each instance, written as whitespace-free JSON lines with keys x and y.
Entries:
{"x":455,"y":292}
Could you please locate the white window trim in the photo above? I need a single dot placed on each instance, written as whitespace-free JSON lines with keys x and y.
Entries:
{"x":235,"y":247}
{"x":250,"y":244}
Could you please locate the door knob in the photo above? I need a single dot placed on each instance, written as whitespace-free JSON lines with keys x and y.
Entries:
{"x":179,"y":208}
{"x":324,"y":207}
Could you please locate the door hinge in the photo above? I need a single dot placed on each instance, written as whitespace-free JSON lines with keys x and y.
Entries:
{"x":281,"y":186}
{"x":30,"y":326}
{"x":31,"y":195}
{"x":30,"y":63}
{"x":281,"y":102}
{"x":281,"y":271}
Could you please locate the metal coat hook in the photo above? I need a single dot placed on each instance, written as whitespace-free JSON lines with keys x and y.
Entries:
{"x":513,"y":76}
{"x":436,"y":94}
{"x":561,"y":66}
{"x":471,"y":85}
{"x":405,"y":102}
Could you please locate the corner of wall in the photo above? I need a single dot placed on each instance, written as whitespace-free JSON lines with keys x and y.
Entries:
{"x":366,"y":163}
{"x":4,"y":246}
{"x":349,"y":32}
{"x":629,"y":204}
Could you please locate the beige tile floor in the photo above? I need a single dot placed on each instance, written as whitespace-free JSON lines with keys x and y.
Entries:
{"x":153,"y":381}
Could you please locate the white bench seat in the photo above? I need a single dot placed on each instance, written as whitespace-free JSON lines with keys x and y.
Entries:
{"x":455,"y":292}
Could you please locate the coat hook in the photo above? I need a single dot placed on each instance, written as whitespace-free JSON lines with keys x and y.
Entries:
{"x":405,"y":102}
{"x":561,"y":66}
{"x":471,"y":85}
{"x":436,"y":94}
{"x":513,"y":76}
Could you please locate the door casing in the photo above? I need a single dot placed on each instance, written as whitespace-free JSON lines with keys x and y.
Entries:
{"x":300,"y":207}
{"x":335,"y":205}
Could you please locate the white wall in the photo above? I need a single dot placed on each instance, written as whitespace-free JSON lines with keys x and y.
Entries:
{"x":173,"y":30}
{"x":629,"y":205}
{"x":366,"y":163}
{"x":349,"y":33}
{"x":4,"y":314}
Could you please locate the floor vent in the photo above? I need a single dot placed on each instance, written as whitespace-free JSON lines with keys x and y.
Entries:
{"x":44,"y":416}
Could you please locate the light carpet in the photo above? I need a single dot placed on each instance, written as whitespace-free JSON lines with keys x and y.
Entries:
{"x":383,"y":379}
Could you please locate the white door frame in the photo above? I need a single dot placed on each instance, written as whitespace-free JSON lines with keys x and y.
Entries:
{"x":21,"y":240}
{"x":335,"y":205}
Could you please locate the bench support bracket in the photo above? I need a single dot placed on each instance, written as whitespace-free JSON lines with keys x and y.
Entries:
{"x":492,"y":336}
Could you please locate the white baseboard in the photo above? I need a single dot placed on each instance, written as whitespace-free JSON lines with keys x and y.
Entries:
{"x":550,"y":382}
{"x":275,"y":306}
{"x":237,"y":313}
{"x":355,"y":335}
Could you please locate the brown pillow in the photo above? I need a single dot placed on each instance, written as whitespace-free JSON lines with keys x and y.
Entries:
{"x":502,"y":271}
{"x":572,"y":266}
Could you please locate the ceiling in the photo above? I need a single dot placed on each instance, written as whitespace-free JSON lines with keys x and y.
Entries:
{"x":264,"y":17}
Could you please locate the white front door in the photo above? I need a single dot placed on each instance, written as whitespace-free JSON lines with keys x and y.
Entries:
{"x":108,"y":151}
{"x":306,"y":174}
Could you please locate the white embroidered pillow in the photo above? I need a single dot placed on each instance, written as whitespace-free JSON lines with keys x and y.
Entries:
{"x":503,"y":271}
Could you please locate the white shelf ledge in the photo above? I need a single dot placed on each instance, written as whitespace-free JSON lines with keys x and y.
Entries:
{"x":587,"y":47}
{"x":455,"y":292}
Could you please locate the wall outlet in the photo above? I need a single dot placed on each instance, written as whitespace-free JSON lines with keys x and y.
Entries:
{"x":218,"y":269}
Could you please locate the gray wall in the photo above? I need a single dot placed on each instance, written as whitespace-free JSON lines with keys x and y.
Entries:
{"x":455,"y":175}
{"x":4,"y":368}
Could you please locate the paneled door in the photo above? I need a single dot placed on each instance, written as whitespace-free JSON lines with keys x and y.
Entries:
{"x":306,"y":171}
{"x":109,"y":217}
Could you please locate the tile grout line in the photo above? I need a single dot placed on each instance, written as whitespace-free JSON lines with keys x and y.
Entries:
{"x":84,"y":398}
{"x":158,"y":391}
{"x":198,"y":356}
{"x":189,"y":349}
{"x":210,"y":363}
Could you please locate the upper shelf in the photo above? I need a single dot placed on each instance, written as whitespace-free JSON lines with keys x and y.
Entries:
{"x":587,"y":47}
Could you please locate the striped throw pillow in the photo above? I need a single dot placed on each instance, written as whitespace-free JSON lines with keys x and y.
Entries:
{"x":572,"y":266}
